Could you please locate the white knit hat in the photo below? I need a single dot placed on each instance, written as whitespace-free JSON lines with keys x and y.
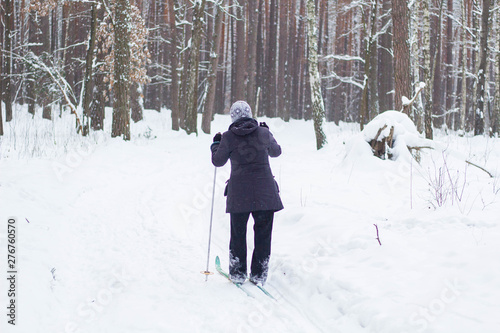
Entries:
{"x":240,"y":109}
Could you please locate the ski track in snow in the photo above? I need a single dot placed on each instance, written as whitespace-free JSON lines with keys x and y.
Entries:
{"x":116,"y":243}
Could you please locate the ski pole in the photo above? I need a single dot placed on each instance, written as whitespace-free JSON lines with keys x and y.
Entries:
{"x":207,"y":272}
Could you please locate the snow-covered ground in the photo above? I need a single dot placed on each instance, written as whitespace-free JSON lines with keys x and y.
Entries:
{"x":112,"y":235}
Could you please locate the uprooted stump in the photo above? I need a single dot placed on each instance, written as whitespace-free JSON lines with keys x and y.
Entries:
{"x":390,"y":133}
{"x":382,"y":144}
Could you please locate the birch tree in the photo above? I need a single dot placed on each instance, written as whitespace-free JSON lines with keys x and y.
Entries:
{"x":463,"y":90}
{"x":483,"y":62}
{"x":450,"y":95}
{"x":426,"y":50}
{"x":495,"y":119}
{"x":318,"y":107}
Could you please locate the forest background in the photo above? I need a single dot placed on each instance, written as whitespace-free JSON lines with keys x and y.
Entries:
{"x":336,"y":60}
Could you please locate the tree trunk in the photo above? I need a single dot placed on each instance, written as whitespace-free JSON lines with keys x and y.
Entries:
{"x":121,"y":86}
{"x":1,"y":88}
{"x":136,"y":101}
{"x":495,"y":119}
{"x":463,"y":106}
{"x":369,"y":100}
{"x":479,"y":114}
{"x":300,"y":64}
{"x":192,"y":88}
{"x":270,"y":86}
{"x":283,"y":49}
{"x":401,"y":48}
{"x":89,"y":62}
{"x":240,"y":61}
{"x":318,"y":107}
{"x":1,"y":81}
{"x":45,"y":94}
{"x":174,"y":63}
{"x":427,"y":69}
{"x":386,"y":73}
{"x":475,"y":62}
{"x":7,"y":81}
{"x":47,"y":111}
{"x":99,"y":90}
{"x":449,"y":91}
{"x":373,"y":71}
{"x":291,"y":54}
{"x":259,"y":60}
{"x":252,"y":52}
{"x":30,"y":80}
{"x":184,"y":77}
{"x":212,"y":71}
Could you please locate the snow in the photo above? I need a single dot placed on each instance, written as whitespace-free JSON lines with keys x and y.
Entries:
{"x":113,"y":235}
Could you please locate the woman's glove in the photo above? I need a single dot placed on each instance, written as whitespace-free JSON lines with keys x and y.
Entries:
{"x":217,"y":137}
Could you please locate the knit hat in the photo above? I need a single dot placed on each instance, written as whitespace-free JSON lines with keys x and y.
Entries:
{"x":240,"y":109}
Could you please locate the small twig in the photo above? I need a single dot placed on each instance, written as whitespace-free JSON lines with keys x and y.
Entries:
{"x":378,"y":238}
{"x":477,"y":166}
{"x":379,"y":132}
{"x":418,"y":148}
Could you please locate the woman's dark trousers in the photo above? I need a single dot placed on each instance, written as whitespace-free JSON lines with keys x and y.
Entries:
{"x":263,"y":227}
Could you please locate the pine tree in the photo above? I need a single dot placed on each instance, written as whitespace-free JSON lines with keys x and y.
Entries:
{"x":89,"y":62}
{"x":212,"y":72}
{"x":283,"y":49}
{"x":99,"y":93}
{"x":483,"y":62}
{"x":194,"y":59}
{"x":121,"y":85}
{"x":252,"y":27}
{"x":385,"y":63}
{"x":401,"y":49}
{"x":240,"y":58}
{"x":7,"y":79}
{"x":369,"y":99}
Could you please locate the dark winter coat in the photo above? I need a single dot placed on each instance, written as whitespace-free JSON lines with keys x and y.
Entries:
{"x":251,"y":186}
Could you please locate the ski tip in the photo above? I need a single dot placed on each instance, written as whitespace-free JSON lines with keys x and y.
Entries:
{"x":217,"y":260}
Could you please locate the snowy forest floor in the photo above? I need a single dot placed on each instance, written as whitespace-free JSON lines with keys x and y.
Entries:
{"x":112,"y":235}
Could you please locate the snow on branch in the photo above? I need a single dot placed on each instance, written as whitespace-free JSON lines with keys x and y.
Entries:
{"x":61,"y":83}
{"x":349,"y":80}
{"x":343,"y":57}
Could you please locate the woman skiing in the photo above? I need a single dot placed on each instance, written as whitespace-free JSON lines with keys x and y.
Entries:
{"x":251,"y":189}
